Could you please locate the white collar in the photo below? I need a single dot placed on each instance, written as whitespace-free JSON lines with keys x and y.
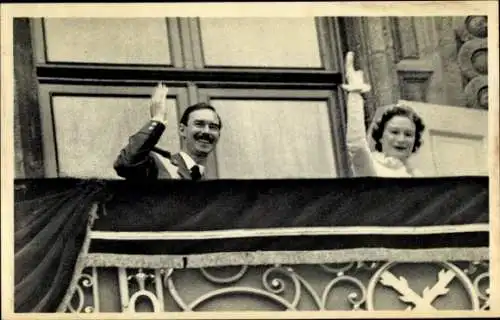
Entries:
{"x":394,"y":163}
{"x":389,"y":162}
{"x":190,"y":163}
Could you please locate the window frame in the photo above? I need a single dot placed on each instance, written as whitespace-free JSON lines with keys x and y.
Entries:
{"x":190,"y":75}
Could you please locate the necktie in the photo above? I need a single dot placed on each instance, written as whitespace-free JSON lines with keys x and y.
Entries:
{"x":195,"y":173}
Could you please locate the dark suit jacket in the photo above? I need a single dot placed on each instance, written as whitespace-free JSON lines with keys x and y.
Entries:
{"x":138,"y":160}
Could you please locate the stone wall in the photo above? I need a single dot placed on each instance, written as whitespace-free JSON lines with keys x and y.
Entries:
{"x":441,"y":60}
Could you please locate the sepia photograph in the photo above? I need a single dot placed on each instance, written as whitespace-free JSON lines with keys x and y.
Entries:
{"x":167,"y":163}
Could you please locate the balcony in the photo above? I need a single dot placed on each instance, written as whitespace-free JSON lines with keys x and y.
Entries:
{"x":282,"y":245}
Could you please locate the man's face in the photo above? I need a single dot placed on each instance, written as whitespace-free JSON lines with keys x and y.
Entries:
{"x":201,"y":132}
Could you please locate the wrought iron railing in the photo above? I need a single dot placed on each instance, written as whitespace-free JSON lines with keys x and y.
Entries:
{"x":360,"y":285}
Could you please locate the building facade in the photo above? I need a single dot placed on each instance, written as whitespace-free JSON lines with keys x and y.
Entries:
{"x":82,"y":88}
{"x":82,"y":84}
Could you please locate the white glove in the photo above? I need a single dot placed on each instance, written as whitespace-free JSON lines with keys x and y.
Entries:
{"x":355,"y":80}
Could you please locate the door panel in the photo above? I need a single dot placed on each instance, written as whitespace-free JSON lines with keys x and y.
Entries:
{"x":455,"y":142}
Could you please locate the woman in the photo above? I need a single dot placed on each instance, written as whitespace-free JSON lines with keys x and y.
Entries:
{"x":394,"y":135}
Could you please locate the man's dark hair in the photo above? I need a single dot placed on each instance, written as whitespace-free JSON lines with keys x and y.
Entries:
{"x":198,"y":106}
{"x":398,"y":110}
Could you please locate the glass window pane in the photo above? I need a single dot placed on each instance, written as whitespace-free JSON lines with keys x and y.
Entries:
{"x":274,"y":139}
{"x":260,"y":42}
{"x":107,"y":40}
{"x":90,"y":132}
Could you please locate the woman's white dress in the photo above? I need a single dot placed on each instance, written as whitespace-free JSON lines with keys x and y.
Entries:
{"x":364,"y":161}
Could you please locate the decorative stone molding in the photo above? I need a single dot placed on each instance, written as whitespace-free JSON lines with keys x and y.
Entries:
{"x":414,"y":78}
{"x":473,"y":60}
{"x":417,"y":63}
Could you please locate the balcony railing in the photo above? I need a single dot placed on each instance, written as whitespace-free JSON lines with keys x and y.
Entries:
{"x":355,"y":285}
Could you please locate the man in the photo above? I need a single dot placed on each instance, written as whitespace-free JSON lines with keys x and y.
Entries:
{"x":199,"y":130}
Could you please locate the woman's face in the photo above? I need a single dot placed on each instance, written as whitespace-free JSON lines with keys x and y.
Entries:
{"x":398,"y":137}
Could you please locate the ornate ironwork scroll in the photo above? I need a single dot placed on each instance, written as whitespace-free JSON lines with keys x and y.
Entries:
{"x":377,"y":285}
{"x":86,"y":296}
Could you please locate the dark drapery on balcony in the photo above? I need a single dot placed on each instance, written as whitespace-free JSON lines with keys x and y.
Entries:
{"x":50,"y":224}
{"x":187,"y":219}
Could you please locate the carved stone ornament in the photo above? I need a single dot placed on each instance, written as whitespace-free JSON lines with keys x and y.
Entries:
{"x":477,"y":26}
{"x":473,"y":58}
{"x":473,"y":27}
{"x":476,"y":92}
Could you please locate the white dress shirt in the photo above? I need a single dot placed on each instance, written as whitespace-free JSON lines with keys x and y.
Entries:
{"x":190,"y":163}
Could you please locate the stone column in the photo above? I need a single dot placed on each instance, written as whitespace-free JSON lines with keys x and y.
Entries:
{"x":371,"y":40}
{"x":452,"y":82}
{"x":380,"y":50}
